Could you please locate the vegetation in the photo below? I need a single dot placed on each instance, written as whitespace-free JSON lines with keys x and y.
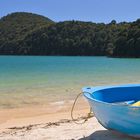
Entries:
{"x":15,"y":27}
{"x":128,"y":42}
{"x":31,"y":34}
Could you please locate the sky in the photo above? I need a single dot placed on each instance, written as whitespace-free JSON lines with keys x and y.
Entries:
{"x":85,"y":10}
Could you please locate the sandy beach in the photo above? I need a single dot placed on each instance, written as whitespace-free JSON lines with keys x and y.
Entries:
{"x":41,"y":124}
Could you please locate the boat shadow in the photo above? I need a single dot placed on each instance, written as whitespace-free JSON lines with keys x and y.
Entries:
{"x":107,"y":135}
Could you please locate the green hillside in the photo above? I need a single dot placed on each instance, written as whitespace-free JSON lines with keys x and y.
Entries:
{"x":31,"y":34}
{"x":16,"y":26}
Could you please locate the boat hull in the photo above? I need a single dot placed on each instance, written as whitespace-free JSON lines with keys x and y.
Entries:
{"x":122,"y":118}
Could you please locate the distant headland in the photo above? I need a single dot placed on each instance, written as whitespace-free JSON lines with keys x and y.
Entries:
{"x":24,"y":33}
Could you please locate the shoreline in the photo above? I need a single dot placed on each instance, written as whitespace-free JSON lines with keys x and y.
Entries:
{"x":52,"y":112}
{"x":38,"y":119}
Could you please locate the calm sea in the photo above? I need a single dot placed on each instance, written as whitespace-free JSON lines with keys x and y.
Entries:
{"x":38,"y":80}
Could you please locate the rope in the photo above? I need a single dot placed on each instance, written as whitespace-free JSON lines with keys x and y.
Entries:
{"x":89,"y":115}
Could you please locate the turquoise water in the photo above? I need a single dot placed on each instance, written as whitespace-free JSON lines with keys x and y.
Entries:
{"x":37,"y":80}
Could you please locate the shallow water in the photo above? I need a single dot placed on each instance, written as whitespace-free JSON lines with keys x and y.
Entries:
{"x":39,"y":80}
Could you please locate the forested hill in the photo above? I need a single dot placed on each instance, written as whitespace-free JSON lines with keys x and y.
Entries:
{"x":31,"y":34}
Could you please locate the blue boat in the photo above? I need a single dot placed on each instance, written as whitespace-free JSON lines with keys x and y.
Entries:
{"x":111,"y":106}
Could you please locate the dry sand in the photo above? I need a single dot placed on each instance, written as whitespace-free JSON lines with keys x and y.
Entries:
{"x":47,"y":123}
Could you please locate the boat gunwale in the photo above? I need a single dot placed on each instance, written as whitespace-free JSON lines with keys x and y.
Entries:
{"x":88,"y":90}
